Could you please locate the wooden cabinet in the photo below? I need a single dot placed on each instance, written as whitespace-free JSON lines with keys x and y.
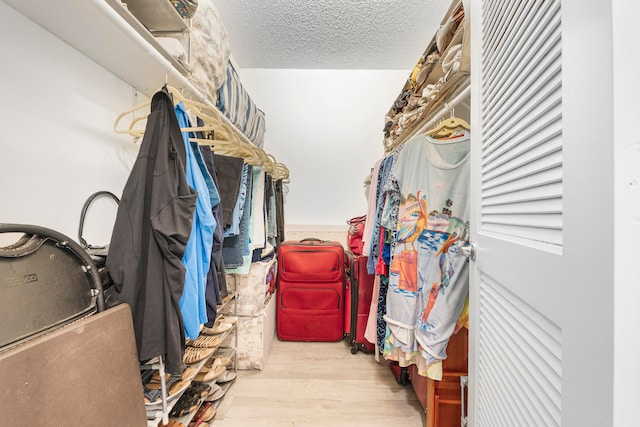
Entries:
{"x":444,"y":398}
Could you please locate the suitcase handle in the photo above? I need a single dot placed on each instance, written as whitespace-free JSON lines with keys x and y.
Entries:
{"x":85,"y":208}
{"x":31,"y":242}
{"x":313,"y":239}
{"x":25,"y":245}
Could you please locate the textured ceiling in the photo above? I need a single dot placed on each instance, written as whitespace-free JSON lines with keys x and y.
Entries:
{"x":330,"y":34}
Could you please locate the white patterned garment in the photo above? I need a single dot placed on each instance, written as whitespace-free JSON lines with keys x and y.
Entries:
{"x":428,"y":278}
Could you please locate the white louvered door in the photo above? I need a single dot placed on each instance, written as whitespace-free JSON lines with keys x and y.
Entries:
{"x":541,"y":307}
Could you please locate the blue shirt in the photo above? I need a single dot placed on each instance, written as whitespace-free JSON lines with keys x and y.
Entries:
{"x":197,"y":254}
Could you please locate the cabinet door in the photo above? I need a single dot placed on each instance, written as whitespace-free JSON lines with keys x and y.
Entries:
{"x":542,"y":283}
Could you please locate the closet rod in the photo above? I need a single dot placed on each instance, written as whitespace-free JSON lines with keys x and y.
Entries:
{"x":446,"y":109}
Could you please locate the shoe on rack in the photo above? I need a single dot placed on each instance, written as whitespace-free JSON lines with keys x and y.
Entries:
{"x":185,"y":405}
{"x":221,"y":324}
{"x":195,"y":354}
{"x":188,"y":373}
{"x":153,"y":391}
{"x":226,"y":377}
{"x":205,"y":341}
{"x":229,"y":318}
{"x":211,"y":373}
{"x":216,"y":393}
{"x":205,"y":413}
{"x":197,"y":389}
{"x":222,"y":360}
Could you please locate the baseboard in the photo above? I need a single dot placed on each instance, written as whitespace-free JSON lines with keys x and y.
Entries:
{"x":324,"y":232}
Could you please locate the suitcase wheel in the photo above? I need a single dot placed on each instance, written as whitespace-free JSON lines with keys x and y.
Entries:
{"x":403,"y":379}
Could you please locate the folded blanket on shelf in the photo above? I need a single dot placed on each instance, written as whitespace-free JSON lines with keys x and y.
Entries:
{"x":235,"y":103}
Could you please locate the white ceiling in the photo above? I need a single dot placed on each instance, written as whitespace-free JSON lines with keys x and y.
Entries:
{"x":330,"y":34}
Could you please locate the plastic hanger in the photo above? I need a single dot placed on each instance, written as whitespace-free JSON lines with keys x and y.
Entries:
{"x":130,"y":130}
{"x":225,"y":142}
{"x":449,"y":126}
{"x":234,"y":147}
{"x":210,"y":116}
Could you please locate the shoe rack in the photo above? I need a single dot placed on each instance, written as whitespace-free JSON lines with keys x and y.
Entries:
{"x":162,"y":413}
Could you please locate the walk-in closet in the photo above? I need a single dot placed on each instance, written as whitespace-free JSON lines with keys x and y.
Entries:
{"x":339,"y":213}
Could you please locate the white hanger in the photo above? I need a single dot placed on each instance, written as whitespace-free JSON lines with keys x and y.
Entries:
{"x":448,"y":126}
{"x":226,"y":140}
{"x":210,"y":116}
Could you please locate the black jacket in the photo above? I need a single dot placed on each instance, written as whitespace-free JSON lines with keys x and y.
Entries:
{"x":157,"y":203}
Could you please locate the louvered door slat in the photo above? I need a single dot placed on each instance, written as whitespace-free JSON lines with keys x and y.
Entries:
{"x":541,"y":157}
{"x":539,"y":88}
{"x":521,"y":114}
{"x":549,"y":206}
{"x":535,"y":387}
{"x":498,"y":18}
{"x":535,"y":157}
{"x":529,"y":220}
{"x":521,"y":77}
{"x":508,"y":185}
{"x":523,"y":349}
{"x":526,"y":234}
{"x":508,"y":41}
{"x":542,"y":139}
{"x":531,"y":194}
{"x":528,"y":47}
{"x":518,"y":347}
{"x":504,"y":15}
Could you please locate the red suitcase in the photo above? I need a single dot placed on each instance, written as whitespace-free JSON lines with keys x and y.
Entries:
{"x":358,"y":301}
{"x":310,"y":291}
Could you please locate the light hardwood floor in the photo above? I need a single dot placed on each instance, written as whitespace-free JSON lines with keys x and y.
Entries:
{"x":319,"y":384}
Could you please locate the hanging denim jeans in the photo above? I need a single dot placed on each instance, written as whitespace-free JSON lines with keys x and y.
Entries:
{"x":235,"y":247}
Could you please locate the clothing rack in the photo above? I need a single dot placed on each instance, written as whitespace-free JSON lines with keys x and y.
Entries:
{"x":226,"y":140}
{"x":276,"y":169}
{"x":254,"y":155}
{"x":447,"y":109}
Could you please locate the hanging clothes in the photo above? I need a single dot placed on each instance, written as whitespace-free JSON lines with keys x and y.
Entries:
{"x":428,"y":277}
{"x":246,"y":230}
{"x":279,"y":199}
{"x":197,"y":255}
{"x":270,"y":207}
{"x":150,"y":234}
{"x":258,"y":218}
{"x":371,"y":211}
{"x":377,"y":238}
{"x":229,"y":171}
{"x":216,"y":288}
{"x":237,"y":245}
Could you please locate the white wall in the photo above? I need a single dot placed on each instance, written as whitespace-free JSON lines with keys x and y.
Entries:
{"x":57,"y":141}
{"x":326,"y":126}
